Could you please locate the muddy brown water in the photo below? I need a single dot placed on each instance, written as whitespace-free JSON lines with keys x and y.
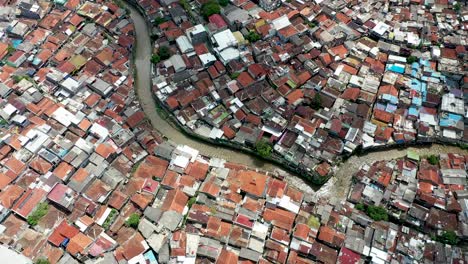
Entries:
{"x":335,"y":189}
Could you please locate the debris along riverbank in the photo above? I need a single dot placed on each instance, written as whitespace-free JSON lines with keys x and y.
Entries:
{"x":334,"y":188}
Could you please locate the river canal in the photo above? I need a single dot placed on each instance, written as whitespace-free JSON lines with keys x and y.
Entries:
{"x":335,"y":189}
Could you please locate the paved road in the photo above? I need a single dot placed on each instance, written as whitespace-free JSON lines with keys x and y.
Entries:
{"x":335,"y":189}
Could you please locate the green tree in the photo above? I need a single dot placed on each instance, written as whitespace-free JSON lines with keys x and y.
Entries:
{"x":40,"y":212}
{"x":360,"y":207}
{"x":433,"y":159}
{"x":191,"y":201}
{"x":210,"y":8}
{"x":312,"y":24}
{"x":316,"y":102}
{"x":155,"y":58}
{"x":133,"y":221}
{"x":10,"y":49}
{"x":411,"y":59}
{"x":253,"y":36}
{"x":234,"y":75}
{"x":448,"y":237}
{"x":164,"y":53}
{"x":313,"y":222}
{"x":264,"y":148}
{"x":377,"y":213}
{"x":223,"y":2}
{"x":110,"y":218}
{"x":457,"y":7}
{"x":42,"y":261}
{"x":159,"y":20}
{"x":185,"y":5}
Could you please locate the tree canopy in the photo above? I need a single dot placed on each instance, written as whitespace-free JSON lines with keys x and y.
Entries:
{"x":40,"y":212}
{"x":377,"y":213}
{"x":411,"y":59}
{"x":155,"y":58}
{"x":433,"y":159}
{"x":164,"y":53}
{"x":316,"y":101}
{"x":223,"y":2}
{"x":263,"y":148}
{"x":133,"y":221}
{"x":448,"y":237}
{"x":253,"y":36}
{"x":210,"y":8}
{"x":42,"y":261}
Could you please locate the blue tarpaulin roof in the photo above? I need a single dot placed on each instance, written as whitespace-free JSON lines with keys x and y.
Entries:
{"x":449,"y":120}
{"x":390,"y":98}
{"x":16,"y":42}
{"x":417,"y":101}
{"x":395,"y":68}
{"x":413,"y":111}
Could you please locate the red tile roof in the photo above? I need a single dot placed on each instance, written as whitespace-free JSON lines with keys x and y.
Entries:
{"x":175,"y":201}
{"x":197,"y":170}
{"x":217,"y":20}
{"x":279,"y":217}
{"x":244,"y":79}
{"x":252,"y":182}
{"x":28,"y":202}
{"x":10,"y":194}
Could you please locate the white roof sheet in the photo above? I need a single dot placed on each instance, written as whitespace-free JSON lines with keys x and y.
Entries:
{"x":281,"y":22}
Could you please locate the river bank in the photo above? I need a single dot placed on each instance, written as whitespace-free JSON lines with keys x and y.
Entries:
{"x":143,"y":51}
{"x":335,"y":189}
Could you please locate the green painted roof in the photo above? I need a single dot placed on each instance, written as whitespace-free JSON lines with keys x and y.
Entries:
{"x":78,"y":61}
{"x":412,"y":155}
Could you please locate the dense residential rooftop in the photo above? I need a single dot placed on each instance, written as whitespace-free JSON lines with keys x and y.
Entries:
{"x":84,"y":177}
{"x":313,"y":79}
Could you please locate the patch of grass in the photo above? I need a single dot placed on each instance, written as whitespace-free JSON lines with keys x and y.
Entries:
{"x":161,"y":112}
{"x":313,"y":222}
{"x":135,"y":167}
{"x":234,"y":75}
{"x":40,"y":212}
{"x":19,"y":78}
{"x":463,"y":145}
{"x":213,"y":210}
{"x":42,"y":261}
{"x":110,"y":218}
{"x":191,"y":202}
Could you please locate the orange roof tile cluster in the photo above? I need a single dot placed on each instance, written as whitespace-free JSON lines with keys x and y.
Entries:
{"x":252,"y":182}
{"x":279,"y":217}
{"x":175,"y":201}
